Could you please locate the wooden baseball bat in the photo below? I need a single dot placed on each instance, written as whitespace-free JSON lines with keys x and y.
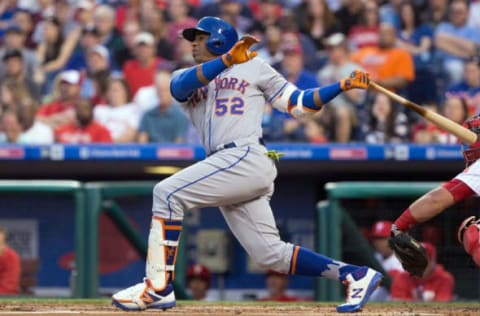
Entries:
{"x":464,"y":135}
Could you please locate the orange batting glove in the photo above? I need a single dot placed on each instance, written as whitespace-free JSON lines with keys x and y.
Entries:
{"x":357,"y":80}
{"x":240,"y":52}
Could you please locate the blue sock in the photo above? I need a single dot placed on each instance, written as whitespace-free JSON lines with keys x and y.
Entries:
{"x":307,"y":262}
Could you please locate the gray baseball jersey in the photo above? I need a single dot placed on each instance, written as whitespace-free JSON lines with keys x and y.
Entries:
{"x":230,"y":108}
{"x":240,"y":179}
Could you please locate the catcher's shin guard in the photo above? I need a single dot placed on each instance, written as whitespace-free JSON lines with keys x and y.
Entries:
{"x":156,"y":291}
{"x":469,"y":236}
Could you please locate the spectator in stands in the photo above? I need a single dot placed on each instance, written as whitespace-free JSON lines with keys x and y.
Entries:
{"x":119,"y":116}
{"x":289,"y":25}
{"x":437,"y":284}
{"x":83,"y":14}
{"x":15,"y":71}
{"x":65,"y":13}
{"x":343,"y":107}
{"x":179,"y":20}
{"x":104,"y":20}
{"x":388,"y":65}
{"x":271,"y":52}
{"x":385,"y":123}
{"x":385,"y":256}
{"x":292,"y":65}
{"x":140,"y":72}
{"x":198,"y":280}
{"x":390,"y":13}
{"x":277,"y":284}
{"x":266,"y":16}
{"x":273,"y":124}
{"x":365,"y":33}
{"x":166,"y":123}
{"x":426,"y":132}
{"x":15,"y":39}
{"x":350,"y":14}
{"x":230,"y":11}
{"x":89,"y":38}
{"x":318,"y":21}
{"x":315,"y":130}
{"x":437,"y":12}
{"x":94,"y":87}
{"x":84,"y":130}
{"x":10,"y":267}
{"x":24,"y":19}
{"x":212,"y":8}
{"x":455,"y":109}
{"x":33,"y":131}
{"x":130,"y":31}
{"x":54,"y":51}
{"x":469,"y":88}
{"x":417,"y":39}
{"x":474,"y":17}
{"x":456,"y":40}
{"x":154,"y":23}
{"x":61,"y":110}
{"x":7,"y":11}
{"x":12,"y":93}
{"x":293,"y":69}
{"x":11,"y":127}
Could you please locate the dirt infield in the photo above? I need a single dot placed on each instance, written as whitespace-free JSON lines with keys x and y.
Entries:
{"x":236,"y":309}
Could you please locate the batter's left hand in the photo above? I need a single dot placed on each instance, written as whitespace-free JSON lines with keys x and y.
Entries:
{"x":357,"y":80}
{"x":240,"y":52}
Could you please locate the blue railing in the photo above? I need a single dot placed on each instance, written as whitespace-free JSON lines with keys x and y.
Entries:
{"x":331,"y":152}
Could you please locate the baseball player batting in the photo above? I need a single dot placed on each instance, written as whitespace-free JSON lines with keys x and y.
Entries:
{"x":467,"y":183}
{"x":224,"y":95}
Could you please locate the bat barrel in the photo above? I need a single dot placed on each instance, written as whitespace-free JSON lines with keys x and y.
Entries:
{"x":463,"y":134}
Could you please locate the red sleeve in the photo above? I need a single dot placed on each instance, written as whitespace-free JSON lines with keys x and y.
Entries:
{"x":100,"y":134}
{"x":445,"y":288}
{"x":402,"y":287}
{"x":105,"y":136}
{"x":43,"y":110}
{"x":10,"y":279}
{"x":58,"y":132}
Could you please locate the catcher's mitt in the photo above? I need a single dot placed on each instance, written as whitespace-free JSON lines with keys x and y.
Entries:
{"x":410,"y":252}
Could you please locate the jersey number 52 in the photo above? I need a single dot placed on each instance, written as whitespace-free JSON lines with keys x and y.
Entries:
{"x":233,"y":106}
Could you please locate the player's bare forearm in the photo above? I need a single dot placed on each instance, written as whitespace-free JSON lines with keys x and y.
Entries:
{"x":431,"y":204}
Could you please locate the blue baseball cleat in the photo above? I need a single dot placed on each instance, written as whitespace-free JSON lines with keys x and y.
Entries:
{"x":142,"y":296}
{"x":360,"y":285}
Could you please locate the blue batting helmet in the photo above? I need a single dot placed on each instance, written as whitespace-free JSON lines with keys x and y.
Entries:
{"x":222,"y":35}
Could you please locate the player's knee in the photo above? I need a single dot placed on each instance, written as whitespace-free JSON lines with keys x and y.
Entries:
{"x":165,"y":200}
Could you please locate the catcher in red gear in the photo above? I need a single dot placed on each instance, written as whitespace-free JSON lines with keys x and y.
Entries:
{"x":465,"y":184}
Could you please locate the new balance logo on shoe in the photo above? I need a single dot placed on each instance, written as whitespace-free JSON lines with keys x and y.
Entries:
{"x":361,"y":283}
{"x":357,"y":293}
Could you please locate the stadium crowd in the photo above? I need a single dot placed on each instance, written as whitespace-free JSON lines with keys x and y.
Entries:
{"x":91,"y":71}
